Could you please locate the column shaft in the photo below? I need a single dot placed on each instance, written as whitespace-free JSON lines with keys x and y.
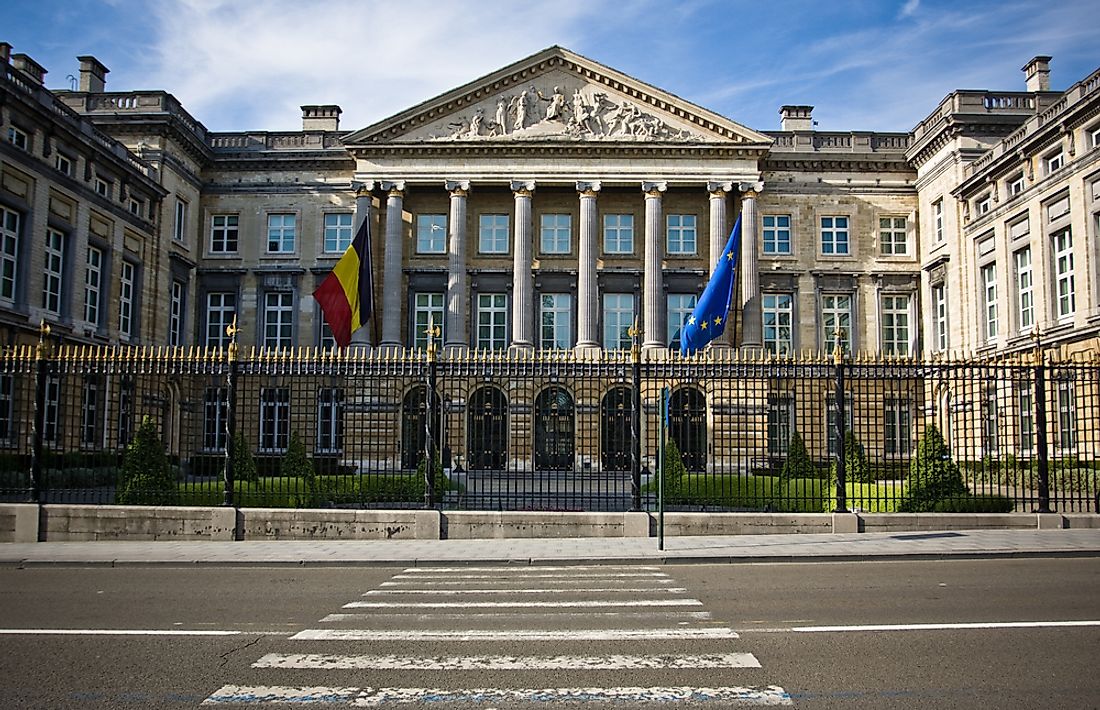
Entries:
{"x":455,"y":335}
{"x":392,"y":292}
{"x":653,"y":281}
{"x":587,"y":289}
{"x":522,"y":282}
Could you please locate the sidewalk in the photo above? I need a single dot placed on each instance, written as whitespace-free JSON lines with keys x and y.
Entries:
{"x":678,"y":550}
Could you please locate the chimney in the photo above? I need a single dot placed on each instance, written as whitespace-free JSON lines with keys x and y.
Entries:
{"x":321,"y":118}
{"x":5,"y":52}
{"x":1037,"y":72}
{"x":796,"y":118}
{"x":28,"y":66}
{"x":92,"y":75}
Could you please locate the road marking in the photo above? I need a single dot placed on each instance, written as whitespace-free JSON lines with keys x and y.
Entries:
{"x":548,"y":615}
{"x":632,"y":590}
{"x":937,"y":627}
{"x":666,"y":634}
{"x":503,"y":663}
{"x":510,"y":570}
{"x":584,"y":603}
{"x":368,"y":697}
{"x":133,"y":632}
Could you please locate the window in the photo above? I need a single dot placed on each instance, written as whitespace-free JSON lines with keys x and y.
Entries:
{"x":93,"y":283}
{"x":330,"y":420}
{"x":618,"y":233}
{"x":215,"y":415}
{"x":939,"y":317}
{"x":777,"y":311}
{"x":834,"y":235}
{"x":220,"y":309}
{"x":18,"y":138}
{"x":179,"y":227}
{"x":896,"y":426}
{"x":136,"y":206}
{"x":1067,"y":416}
{"x":63,"y":164}
{"x":895,"y":324}
{"x":618,"y":319}
{"x":54,"y":272}
{"x":1025,"y":298}
{"x":9,"y":253}
{"x":493,"y":234}
{"x":274,"y":419}
{"x":1053,"y":162}
{"x":680,"y":306}
{"x":984,"y":204}
{"x":7,"y":407}
{"x":556,"y":329}
{"x":427,"y":310}
{"x":278,"y":319}
{"x":836,"y":314}
{"x":492,"y":321}
{"x":50,"y":428}
{"x":937,"y":219}
{"x":777,"y":234}
{"x":554,"y":236}
{"x":337,"y":232}
{"x":989,"y":297}
{"x":680,"y":234}
{"x":892,"y":236}
{"x":175,"y":314}
{"x":224,"y":231}
{"x":126,"y":301}
{"x":89,"y":414}
{"x":431,"y":234}
{"x":780,"y":423}
{"x":281,"y":233}
{"x":1026,"y":417}
{"x":1016,"y":185}
{"x":1065,"y":303}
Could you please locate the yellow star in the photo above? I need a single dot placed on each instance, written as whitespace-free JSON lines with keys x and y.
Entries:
{"x":718,"y":320}
{"x":703,"y":325}
{"x":729,"y":256}
{"x":691,"y":320}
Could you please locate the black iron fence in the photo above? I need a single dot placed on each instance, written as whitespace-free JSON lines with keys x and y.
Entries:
{"x":546,"y":431}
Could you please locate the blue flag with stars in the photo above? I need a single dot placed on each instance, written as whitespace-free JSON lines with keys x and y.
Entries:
{"x":708,"y":320}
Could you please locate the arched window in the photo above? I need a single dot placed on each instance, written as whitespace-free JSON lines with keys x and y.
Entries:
{"x":616,"y":413}
{"x":688,"y":426}
{"x":554,"y":418}
{"x":487,"y":430}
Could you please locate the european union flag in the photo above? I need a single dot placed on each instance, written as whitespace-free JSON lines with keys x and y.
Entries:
{"x":708,"y":320}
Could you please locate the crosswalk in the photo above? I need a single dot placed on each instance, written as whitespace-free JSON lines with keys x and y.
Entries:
{"x":436,"y":630}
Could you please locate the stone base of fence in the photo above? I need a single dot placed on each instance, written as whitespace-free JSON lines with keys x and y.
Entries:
{"x":22,"y":522}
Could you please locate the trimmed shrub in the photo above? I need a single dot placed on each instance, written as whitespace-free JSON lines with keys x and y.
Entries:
{"x":146,"y":475}
{"x":933,"y":476}
{"x":797,"y":464}
{"x":856,"y":469}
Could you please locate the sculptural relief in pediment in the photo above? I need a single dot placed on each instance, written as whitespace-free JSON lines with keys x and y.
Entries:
{"x":557,"y":108}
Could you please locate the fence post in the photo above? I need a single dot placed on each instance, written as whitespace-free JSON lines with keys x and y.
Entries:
{"x":1041,"y":434}
{"x":231,"y":412}
{"x":433,"y":331}
{"x":635,"y":419}
{"x":841,"y":480}
{"x":41,"y":370}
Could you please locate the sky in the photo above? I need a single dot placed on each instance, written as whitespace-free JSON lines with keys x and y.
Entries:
{"x":875,"y":65}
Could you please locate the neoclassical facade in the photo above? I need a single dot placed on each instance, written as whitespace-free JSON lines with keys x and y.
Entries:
{"x":552,"y":204}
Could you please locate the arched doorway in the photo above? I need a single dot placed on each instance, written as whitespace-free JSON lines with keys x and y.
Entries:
{"x":414,"y":417}
{"x":487,"y":430}
{"x":554,"y":418}
{"x":688,"y":426}
{"x":616,"y":412}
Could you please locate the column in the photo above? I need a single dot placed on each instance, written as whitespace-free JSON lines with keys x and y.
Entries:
{"x":392,"y":292}
{"x":587,"y":290}
{"x":522,"y":283}
{"x":457,"y":297}
{"x":752,"y":328}
{"x":719,"y":192}
{"x":362,"y":337}
{"x":653,"y":301}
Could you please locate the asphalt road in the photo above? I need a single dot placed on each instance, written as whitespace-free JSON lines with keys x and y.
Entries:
{"x":623,"y":637}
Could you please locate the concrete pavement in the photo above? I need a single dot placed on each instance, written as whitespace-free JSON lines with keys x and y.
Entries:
{"x":534,"y":551}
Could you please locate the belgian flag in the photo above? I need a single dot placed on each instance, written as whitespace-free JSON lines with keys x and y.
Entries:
{"x":346,"y":296}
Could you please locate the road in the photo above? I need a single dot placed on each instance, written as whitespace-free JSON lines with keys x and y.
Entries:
{"x":636,"y":636}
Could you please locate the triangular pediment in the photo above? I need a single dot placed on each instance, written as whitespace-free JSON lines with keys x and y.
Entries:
{"x":556,"y":96}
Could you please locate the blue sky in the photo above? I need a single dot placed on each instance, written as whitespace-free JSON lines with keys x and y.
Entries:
{"x":864,"y":64}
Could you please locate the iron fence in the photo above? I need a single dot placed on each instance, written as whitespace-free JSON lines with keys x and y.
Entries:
{"x":547,"y":430}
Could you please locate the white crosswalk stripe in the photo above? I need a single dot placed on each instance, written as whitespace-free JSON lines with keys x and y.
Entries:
{"x":556,"y":605}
